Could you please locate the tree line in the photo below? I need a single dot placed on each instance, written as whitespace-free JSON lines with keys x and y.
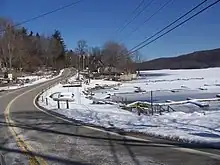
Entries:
{"x":24,"y":50}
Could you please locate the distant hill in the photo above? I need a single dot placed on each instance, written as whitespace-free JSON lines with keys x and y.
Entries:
{"x":195,"y":60}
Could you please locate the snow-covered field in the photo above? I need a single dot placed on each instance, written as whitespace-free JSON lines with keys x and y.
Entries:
{"x":33,"y":80}
{"x":198,"y":125}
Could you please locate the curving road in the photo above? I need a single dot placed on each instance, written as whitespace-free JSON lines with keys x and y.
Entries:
{"x":30,"y":135}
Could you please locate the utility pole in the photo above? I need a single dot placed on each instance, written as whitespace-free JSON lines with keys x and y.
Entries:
{"x":78,"y":66}
{"x":83,"y":62}
{"x":151,"y":101}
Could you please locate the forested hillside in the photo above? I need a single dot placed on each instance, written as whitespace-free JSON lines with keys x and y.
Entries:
{"x":195,"y":60}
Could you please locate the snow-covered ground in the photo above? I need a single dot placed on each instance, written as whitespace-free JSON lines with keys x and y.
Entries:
{"x":161,"y":80}
{"x":33,"y":80}
{"x":176,"y":79}
{"x":169,"y":85}
{"x":192,"y":124}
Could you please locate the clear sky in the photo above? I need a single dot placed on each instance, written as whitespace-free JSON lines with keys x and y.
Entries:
{"x":96,"y":21}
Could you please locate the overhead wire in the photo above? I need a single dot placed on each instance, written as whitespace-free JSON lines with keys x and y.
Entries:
{"x":47,"y":13}
{"x":133,"y":12}
{"x":138,"y":6}
{"x":148,"y":19}
{"x":169,"y":25}
{"x":178,"y":25}
{"x":136,"y":16}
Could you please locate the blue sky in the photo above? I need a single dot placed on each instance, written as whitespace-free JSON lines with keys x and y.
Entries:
{"x":97,"y":21}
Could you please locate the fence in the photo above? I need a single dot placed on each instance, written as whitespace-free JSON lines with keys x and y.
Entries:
{"x":59,"y":102}
{"x":159,"y":108}
{"x":151,"y":109}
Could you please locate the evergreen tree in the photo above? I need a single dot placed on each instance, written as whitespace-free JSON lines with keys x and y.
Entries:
{"x":24,"y":31}
{"x":37,"y":35}
{"x":31,"y":34}
{"x":59,"y":49}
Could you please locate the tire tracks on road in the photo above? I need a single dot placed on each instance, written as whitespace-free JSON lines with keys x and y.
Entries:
{"x":16,"y":132}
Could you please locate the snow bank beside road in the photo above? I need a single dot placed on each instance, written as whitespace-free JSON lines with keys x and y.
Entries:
{"x":191,"y":127}
{"x":33,"y":81}
{"x":197,"y":126}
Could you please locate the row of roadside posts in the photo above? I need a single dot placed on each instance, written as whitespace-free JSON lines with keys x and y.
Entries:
{"x":67,"y":101}
{"x":58,"y":102}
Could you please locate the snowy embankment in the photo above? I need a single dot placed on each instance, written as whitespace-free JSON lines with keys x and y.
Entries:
{"x":199,"y":125}
{"x":33,"y":80}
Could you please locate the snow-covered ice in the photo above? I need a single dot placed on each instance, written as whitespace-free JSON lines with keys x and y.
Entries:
{"x":176,"y":79}
{"x":193,"y":125}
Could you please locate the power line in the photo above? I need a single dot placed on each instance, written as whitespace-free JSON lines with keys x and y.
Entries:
{"x":172,"y":23}
{"x":148,"y":18}
{"x":139,"y":5}
{"x":47,"y":13}
{"x":137,"y":15}
{"x":194,"y":15}
{"x":133,"y":12}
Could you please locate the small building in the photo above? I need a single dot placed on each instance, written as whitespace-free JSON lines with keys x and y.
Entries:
{"x":128,"y":77}
{"x":111,"y":71}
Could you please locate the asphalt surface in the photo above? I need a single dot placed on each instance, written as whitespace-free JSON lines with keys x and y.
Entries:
{"x":55,"y":141}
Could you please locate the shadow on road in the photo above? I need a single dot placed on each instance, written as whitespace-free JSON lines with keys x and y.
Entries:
{"x":47,"y":157}
{"x":42,"y":124}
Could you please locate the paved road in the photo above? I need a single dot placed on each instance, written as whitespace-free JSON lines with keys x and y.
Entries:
{"x":44,"y":139}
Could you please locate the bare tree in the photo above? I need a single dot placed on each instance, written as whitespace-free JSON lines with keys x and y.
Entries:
{"x":82,"y":51}
{"x":29,"y":51}
{"x":111,"y":52}
{"x":95,"y":59}
{"x":8,"y":38}
{"x":116,"y":56}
